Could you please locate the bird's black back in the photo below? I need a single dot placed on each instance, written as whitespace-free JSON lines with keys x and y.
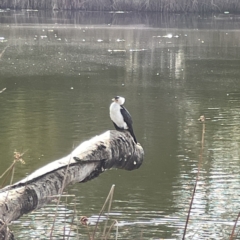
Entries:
{"x":126,"y":115}
{"x":128,"y":120}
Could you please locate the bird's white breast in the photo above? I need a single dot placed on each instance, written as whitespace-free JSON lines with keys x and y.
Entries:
{"x":116,"y":116}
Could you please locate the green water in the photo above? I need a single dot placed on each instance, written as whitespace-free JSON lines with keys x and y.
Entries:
{"x":61,"y":70}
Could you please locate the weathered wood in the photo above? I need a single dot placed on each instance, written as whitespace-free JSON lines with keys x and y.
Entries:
{"x":5,"y":233}
{"x":112,"y":149}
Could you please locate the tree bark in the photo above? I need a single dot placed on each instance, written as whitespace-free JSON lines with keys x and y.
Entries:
{"x":112,"y":149}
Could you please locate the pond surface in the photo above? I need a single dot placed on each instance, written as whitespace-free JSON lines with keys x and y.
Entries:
{"x":61,"y":70}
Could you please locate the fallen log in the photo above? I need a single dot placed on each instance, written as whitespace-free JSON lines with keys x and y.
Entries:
{"x":112,"y":149}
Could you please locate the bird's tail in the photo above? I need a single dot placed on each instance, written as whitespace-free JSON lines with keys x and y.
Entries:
{"x":133,"y":135}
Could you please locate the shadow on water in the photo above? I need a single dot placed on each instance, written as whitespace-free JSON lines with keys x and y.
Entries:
{"x":60,"y":71}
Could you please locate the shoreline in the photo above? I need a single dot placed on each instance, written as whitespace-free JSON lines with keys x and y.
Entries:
{"x":164,"y":6}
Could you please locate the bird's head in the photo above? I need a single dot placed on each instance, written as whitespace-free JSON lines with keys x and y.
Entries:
{"x":119,"y":100}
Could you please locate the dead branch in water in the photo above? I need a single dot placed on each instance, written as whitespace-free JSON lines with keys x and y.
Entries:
{"x":112,"y":149}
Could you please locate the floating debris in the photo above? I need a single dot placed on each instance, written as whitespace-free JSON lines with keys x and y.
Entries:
{"x":137,"y":50}
{"x":32,"y":10}
{"x":120,"y":40}
{"x":100,"y":40}
{"x":168,"y":36}
{"x":116,"y":50}
{"x":3,"y":90}
{"x":2,"y":39}
{"x":118,"y":12}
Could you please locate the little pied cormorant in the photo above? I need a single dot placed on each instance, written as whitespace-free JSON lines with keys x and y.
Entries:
{"x":120,"y":116}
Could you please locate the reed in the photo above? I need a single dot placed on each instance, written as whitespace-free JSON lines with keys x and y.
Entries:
{"x":109,"y":202}
{"x":59,"y":198}
{"x":126,"y":5}
{"x":202,"y":119}
{"x":233,"y":236}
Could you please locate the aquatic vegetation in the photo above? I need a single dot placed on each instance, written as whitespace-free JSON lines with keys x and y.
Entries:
{"x":131,"y":5}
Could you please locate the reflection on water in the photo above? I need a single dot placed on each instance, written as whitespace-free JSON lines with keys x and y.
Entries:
{"x":60,"y":71}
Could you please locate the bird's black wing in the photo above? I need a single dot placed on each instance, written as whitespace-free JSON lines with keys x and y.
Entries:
{"x":128,"y":120}
{"x":126,"y":116}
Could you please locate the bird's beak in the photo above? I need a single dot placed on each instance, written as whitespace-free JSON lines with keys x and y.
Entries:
{"x":113,"y":99}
